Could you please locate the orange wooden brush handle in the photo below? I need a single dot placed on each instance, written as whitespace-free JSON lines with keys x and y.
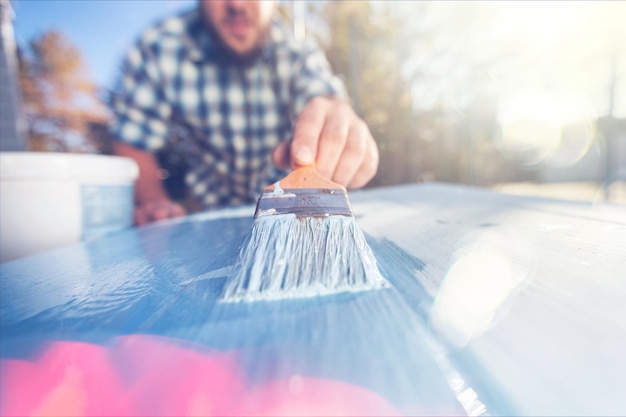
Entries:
{"x":305,"y":177}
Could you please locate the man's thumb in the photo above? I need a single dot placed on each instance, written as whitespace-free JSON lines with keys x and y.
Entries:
{"x":280,"y":155}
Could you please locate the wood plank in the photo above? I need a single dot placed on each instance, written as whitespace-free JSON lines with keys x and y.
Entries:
{"x":528,"y":292}
{"x":500,"y":304}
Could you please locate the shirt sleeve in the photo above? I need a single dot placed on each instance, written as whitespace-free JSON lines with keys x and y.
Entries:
{"x":138,"y":103}
{"x":314,"y":79}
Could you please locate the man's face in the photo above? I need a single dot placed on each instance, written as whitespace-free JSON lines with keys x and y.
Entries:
{"x":241,"y":24}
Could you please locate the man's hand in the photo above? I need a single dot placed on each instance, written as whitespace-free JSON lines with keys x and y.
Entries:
{"x":329,"y":134}
{"x":151,"y":211}
{"x":151,"y":200}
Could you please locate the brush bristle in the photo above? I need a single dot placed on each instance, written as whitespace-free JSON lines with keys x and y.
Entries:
{"x":287,"y":256}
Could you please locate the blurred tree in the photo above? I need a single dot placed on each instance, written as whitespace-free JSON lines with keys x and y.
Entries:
{"x":411,"y":77}
{"x":60,"y":102}
{"x":363,"y":50}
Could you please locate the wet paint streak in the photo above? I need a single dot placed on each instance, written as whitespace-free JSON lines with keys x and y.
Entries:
{"x":401,"y":269}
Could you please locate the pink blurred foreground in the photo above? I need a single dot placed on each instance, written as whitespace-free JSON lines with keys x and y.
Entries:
{"x":149,"y":375}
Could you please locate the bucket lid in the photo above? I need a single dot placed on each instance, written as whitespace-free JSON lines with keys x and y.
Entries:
{"x":65,"y":166}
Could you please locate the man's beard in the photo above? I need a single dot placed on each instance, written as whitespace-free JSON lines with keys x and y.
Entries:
{"x":229,"y":56}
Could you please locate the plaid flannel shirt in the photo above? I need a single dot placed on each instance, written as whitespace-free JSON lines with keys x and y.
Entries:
{"x":176,"y":90}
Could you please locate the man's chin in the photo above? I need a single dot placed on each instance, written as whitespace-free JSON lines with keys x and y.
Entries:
{"x":241,"y":56}
{"x":242,"y":52}
{"x":241,"y":48}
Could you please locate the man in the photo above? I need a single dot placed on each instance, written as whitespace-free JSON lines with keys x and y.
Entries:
{"x":226,"y":84}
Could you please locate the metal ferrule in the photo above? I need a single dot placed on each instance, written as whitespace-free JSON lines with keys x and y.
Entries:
{"x":304,"y":202}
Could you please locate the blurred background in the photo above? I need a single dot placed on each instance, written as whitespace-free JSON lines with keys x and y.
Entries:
{"x":524,"y":97}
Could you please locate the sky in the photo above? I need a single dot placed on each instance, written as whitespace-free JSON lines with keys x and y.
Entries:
{"x":101,"y":29}
{"x":104,"y":29}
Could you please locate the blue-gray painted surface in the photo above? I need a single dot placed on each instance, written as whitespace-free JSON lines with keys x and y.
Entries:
{"x":498,"y":304}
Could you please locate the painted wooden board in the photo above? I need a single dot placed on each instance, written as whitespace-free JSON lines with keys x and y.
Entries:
{"x":499,"y":305}
{"x":528,"y":293}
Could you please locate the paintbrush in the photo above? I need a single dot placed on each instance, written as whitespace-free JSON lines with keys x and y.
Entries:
{"x":304,"y":242}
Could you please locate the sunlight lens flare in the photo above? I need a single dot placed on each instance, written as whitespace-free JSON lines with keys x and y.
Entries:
{"x":487,"y":271}
{"x":542,"y":128}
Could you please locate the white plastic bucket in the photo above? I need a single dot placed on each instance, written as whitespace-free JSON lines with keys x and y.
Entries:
{"x":53,"y":199}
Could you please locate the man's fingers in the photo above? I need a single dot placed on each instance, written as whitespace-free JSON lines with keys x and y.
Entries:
{"x":152,"y":211}
{"x":307,"y":132}
{"x":368,"y":168}
{"x":354,"y":154}
{"x":333,"y":140}
{"x":160,"y":212}
{"x":280,"y":156}
{"x":140,"y":216}
{"x":177,"y":210}
{"x":329,"y":133}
